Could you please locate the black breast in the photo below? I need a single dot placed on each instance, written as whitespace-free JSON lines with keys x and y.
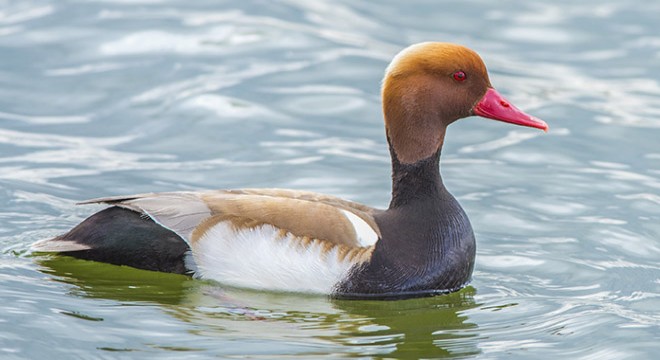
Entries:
{"x":426,"y":248}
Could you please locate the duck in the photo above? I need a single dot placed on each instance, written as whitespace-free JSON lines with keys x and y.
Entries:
{"x":300,"y":241}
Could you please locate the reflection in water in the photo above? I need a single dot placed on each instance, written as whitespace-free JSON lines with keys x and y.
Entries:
{"x":425,"y":327}
{"x":96,"y":280}
{"x":428,"y":327}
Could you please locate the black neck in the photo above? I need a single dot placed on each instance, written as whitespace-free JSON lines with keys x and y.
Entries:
{"x":426,"y":243}
{"x":417,"y":181}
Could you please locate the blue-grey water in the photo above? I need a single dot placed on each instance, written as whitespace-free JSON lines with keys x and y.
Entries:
{"x":115,"y":97}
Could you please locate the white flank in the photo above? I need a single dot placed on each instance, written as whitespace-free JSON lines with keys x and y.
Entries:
{"x":366,"y":235}
{"x":259,"y":258}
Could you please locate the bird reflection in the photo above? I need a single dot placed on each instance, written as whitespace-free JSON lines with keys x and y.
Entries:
{"x":120,"y":283}
{"x":434,"y":327}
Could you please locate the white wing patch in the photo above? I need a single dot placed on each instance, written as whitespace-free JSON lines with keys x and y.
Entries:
{"x":260,"y":258}
{"x":366,"y":235}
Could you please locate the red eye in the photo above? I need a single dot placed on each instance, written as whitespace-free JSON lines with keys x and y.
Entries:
{"x":460,"y":76}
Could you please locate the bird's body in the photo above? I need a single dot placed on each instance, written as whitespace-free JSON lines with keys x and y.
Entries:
{"x":286,"y":240}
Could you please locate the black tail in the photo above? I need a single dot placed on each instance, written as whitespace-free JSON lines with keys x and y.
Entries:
{"x":122,"y":237}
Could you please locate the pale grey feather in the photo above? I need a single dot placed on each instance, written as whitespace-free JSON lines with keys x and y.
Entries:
{"x":180,"y":212}
{"x":56,"y":246}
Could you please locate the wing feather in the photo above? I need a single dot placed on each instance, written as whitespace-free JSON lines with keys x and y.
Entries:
{"x":301,"y":213}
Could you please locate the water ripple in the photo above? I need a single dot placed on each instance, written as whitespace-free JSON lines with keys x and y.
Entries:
{"x":115,"y":96}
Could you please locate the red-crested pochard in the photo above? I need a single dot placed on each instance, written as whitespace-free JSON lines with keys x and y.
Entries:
{"x":287,"y":240}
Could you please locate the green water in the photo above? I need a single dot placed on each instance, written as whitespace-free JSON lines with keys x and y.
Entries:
{"x":115,"y":97}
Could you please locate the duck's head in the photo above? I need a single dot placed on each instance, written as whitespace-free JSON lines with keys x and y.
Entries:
{"x":428,"y":86}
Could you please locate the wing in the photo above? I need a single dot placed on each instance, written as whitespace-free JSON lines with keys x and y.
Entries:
{"x":303,"y":214}
{"x":265,"y":238}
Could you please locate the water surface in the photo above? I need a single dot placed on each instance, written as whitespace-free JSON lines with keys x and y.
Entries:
{"x":114,"y":97}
